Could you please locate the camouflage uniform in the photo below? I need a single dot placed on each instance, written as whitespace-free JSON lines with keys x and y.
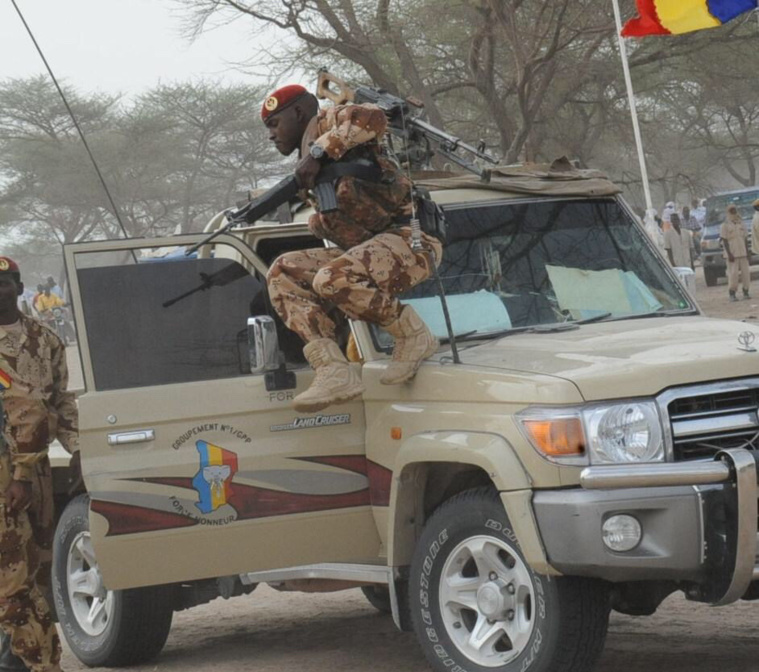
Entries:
{"x":374,"y":262}
{"x":38,"y":410}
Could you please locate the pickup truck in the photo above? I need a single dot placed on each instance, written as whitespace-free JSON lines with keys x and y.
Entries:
{"x":590,"y":447}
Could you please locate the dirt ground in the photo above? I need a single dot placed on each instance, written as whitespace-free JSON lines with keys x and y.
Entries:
{"x":340,"y":632}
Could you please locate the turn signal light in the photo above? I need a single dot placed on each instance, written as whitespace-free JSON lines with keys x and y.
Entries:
{"x":560,"y":437}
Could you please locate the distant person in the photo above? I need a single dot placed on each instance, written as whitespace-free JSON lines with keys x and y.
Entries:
{"x":755,"y":228}
{"x":54,"y":287}
{"x":678,"y":242}
{"x":666,"y":214}
{"x":48,"y":300}
{"x":36,"y":297}
{"x":698,"y":211}
{"x":690,"y":223}
{"x":733,"y":236}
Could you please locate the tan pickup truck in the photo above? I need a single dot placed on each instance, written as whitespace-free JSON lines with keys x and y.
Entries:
{"x":591,"y":449}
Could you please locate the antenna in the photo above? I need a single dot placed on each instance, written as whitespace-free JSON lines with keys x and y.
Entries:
{"x":76,"y":123}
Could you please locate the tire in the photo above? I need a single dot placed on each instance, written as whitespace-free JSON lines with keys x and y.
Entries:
{"x":379,"y":598}
{"x":526,"y":621}
{"x":710,"y":277}
{"x":131,"y":626}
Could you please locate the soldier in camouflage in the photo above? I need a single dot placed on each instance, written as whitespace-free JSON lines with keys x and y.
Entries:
{"x":373,"y":261}
{"x":38,"y":409}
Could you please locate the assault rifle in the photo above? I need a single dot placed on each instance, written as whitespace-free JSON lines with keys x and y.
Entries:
{"x":287,"y":189}
{"x":405,"y":122}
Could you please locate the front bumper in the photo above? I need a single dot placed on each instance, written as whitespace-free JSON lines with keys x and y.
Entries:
{"x":699,"y":523}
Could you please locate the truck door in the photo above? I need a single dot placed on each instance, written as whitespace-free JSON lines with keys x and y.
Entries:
{"x":193,"y":467}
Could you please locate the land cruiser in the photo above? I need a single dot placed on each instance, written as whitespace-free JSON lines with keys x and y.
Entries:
{"x":588,"y":446}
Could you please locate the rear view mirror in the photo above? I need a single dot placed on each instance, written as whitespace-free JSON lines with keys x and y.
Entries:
{"x":263,"y":344}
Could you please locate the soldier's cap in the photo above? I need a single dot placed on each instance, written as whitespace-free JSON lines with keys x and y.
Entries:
{"x":282,"y":99}
{"x":7,"y":265}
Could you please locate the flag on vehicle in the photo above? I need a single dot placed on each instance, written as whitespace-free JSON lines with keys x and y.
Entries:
{"x":213,"y":482}
{"x":673,"y":17}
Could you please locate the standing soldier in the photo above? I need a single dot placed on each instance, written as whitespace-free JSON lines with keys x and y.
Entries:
{"x":375,"y":261}
{"x":38,"y":409}
{"x":733,"y":236}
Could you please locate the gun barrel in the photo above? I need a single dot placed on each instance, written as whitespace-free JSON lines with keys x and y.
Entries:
{"x":450,"y":141}
{"x":280,"y":193}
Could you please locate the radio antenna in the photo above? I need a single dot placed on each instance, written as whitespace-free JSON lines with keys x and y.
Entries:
{"x":114,"y":209}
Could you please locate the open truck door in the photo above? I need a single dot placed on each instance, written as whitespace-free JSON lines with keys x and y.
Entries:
{"x":194,"y":466}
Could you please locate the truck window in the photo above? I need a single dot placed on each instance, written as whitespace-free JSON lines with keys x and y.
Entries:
{"x":160,"y":320}
{"x":525,"y":264}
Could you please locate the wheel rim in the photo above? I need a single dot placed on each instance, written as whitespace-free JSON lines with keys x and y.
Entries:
{"x":91,"y":603}
{"x":487,"y":601}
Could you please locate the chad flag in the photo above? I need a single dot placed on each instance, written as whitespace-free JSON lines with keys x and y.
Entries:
{"x":672,"y":17}
{"x":214,"y":480}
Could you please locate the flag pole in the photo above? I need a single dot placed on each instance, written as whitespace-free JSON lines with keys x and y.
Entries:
{"x":633,"y":108}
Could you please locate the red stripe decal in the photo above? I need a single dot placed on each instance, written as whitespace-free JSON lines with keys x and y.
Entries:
{"x":128,"y":519}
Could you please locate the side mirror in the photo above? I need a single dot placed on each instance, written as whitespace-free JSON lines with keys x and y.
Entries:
{"x":263,"y":344}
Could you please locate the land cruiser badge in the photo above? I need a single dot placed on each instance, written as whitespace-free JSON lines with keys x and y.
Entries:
{"x":311,"y":423}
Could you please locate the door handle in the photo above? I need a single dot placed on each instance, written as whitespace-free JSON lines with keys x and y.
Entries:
{"x":122,"y":438}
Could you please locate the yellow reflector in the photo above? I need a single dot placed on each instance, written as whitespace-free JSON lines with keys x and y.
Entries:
{"x":559,"y":437}
{"x":396,"y":433}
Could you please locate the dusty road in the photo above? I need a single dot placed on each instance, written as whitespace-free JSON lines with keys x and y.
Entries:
{"x":340,"y":632}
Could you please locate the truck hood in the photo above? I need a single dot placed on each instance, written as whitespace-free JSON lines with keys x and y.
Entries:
{"x":628,"y":358}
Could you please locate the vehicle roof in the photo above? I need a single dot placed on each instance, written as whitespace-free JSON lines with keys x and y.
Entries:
{"x":734,"y":192}
{"x":559,"y":178}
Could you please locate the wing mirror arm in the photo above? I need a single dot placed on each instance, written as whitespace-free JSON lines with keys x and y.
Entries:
{"x":264,"y":354}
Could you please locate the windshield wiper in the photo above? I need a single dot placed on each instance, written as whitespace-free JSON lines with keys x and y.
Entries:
{"x":655,"y":313}
{"x":547,"y":328}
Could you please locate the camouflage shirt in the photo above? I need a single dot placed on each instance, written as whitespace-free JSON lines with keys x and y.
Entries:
{"x":366,"y":208}
{"x":37,"y":405}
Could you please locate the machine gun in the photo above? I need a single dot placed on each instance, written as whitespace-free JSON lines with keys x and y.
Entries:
{"x":404,"y":122}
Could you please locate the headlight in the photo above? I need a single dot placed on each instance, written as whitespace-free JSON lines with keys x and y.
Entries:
{"x":608,"y":434}
{"x":628,"y":432}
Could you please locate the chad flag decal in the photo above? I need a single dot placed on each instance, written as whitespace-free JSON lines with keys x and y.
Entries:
{"x":214,"y":480}
{"x":5,"y":381}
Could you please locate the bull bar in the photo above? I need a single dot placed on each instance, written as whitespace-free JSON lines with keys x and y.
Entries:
{"x":736,"y":467}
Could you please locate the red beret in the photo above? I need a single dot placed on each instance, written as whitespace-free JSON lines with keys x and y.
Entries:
{"x":7,"y":265}
{"x":280,"y":99}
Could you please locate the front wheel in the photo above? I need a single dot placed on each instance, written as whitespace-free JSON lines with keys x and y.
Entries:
{"x":477,"y":605}
{"x":111,"y":628}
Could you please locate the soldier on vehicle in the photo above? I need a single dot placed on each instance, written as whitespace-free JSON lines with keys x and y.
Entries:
{"x":374,"y":261}
{"x":38,"y":409}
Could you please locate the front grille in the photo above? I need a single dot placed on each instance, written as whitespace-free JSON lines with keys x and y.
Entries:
{"x":704,"y":422}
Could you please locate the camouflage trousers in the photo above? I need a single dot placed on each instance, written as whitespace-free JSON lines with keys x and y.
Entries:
{"x":362,"y":282}
{"x":24,"y":611}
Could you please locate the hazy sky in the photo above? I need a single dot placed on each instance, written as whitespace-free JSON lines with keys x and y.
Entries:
{"x":118,"y":45}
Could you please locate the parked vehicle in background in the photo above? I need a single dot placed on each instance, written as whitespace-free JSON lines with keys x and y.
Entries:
{"x":712,"y":257}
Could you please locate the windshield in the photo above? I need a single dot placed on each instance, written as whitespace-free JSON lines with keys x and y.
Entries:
{"x":515,"y":266}
{"x":716,"y":206}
